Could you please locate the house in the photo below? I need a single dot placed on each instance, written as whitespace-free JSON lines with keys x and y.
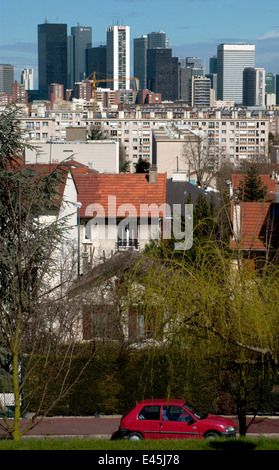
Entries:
{"x":118,"y":211}
{"x":255,"y":225}
{"x":107,"y":215}
{"x":106,"y":212}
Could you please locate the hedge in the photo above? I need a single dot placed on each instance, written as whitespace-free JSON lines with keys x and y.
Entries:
{"x":115,"y":380}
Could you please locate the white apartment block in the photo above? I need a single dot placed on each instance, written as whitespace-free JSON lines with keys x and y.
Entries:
{"x":118,"y":56}
{"x":236,"y":135}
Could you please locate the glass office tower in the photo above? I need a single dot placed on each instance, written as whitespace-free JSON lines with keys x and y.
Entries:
{"x":52,"y":56}
{"x":232,"y":59}
{"x":82,"y":40}
{"x":140,"y":61}
{"x":6,"y":78}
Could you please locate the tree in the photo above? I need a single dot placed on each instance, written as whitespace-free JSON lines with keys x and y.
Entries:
{"x":37,"y":326}
{"x":225,"y":317}
{"x":252,"y":188}
{"x":203,"y":158}
{"x":142,"y":166}
{"x":96,"y":133}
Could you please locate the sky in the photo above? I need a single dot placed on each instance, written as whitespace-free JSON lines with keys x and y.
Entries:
{"x":194,"y":27}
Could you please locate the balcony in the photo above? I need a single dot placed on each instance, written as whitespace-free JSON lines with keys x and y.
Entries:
{"x":127,"y":244}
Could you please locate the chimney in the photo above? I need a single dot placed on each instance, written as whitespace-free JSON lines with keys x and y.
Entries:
{"x":152,"y":174}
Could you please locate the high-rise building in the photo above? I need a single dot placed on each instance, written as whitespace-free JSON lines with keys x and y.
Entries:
{"x":194,"y":63}
{"x":253,"y":86}
{"x":6,"y":78}
{"x":277,"y":88}
{"x":157,"y":40}
{"x":269,"y":82}
{"x":140,"y":61}
{"x":118,"y":57}
{"x":160,"y":72}
{"x":97,"y":62}
{"x":70,"y":63}
{"x":213,"y":65}
{"x":52,"y":56}
{"x":82,"y":40}
{"x":200,"y":91}
{"x":27,"y":79}
{"x":232,"y":59}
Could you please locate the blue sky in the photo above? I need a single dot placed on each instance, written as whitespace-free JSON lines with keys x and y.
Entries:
{"x":194,"y":27}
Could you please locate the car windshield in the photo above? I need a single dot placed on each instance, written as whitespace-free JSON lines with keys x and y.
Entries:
{"x":196,"y":413}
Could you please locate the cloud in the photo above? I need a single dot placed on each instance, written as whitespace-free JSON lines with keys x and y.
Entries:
{"x":270,"y":35}
{"x":27,"y":47}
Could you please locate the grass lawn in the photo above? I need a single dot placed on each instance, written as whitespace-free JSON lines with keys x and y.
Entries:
{"x":147,"y":445}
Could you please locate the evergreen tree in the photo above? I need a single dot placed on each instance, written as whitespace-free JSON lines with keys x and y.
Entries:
{"x":252,"y":188}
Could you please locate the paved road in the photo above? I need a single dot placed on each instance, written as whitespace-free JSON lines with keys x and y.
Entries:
{"x":104,"y":427}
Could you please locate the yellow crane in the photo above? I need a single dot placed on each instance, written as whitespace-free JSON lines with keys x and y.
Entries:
{"x":94,"y":81}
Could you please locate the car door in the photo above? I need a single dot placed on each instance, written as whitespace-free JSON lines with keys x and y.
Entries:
{"x":177,"y":423}
{"x":148,"y":421}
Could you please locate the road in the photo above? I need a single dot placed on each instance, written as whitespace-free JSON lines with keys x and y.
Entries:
{"x":105,"y":427}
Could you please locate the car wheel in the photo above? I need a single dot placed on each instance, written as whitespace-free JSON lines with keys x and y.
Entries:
{"x":135,"y":436}
{"x":211,"y":435}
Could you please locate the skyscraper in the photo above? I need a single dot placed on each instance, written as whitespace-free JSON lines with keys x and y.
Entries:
{"x":269,"y":82}
{"x":157,"y":40}
{"x":6,"y":78}
{"x":52,"y":56}
{"x":232,"y":59}
{"x":82,"y":40}
{"x":140,"y":60}
{"x":253,"y":86}
{"x":118,"y":57}
{"x":27,"y":79}
{"x":97,"y":62}
{"x":160,"y":72}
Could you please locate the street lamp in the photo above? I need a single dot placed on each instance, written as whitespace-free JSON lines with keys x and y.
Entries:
{"x":79,"y":204}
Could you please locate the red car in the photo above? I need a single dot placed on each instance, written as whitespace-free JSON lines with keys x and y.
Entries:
{"x":172,"y":419}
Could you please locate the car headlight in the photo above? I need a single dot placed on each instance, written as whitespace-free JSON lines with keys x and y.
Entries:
{"x":229,"y":428}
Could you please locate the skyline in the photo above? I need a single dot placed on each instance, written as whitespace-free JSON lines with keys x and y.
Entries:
{"x":194,"y":27}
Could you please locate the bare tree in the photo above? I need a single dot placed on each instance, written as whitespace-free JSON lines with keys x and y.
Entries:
{"x":37,"y":326}
{"x":203,"y":157}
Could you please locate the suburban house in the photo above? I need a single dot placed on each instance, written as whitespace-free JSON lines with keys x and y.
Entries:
{"x":118,"y":211}
{"x":255,"y":225}
{"x":109,"y":217}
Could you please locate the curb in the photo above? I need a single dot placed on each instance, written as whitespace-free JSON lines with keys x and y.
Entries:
{"x":105,"y":437}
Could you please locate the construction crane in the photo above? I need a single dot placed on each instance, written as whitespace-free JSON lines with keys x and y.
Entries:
{"x":95,"y":81}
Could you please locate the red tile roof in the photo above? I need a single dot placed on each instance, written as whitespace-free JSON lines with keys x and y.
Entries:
{"x":126,"y":188}
{"x":252,"y":218}
{"x":269,"y":182}
{"x":96,"y":188}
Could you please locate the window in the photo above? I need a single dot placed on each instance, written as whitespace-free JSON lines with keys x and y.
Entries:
{"x":175,"y":413}
{"x":127,"y":234}
{"x":151,"y":412}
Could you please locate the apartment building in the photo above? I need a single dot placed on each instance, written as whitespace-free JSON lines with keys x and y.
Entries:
{"x":233,"y":135}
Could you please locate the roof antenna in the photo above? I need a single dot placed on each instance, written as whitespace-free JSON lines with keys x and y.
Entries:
{"x":46,"y":19}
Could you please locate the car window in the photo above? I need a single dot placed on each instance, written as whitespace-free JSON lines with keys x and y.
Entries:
{"x":175,"y":413}
{"x":150,"y":412}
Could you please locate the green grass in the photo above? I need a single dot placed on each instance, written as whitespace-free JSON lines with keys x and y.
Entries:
{"x":148,"y":445}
